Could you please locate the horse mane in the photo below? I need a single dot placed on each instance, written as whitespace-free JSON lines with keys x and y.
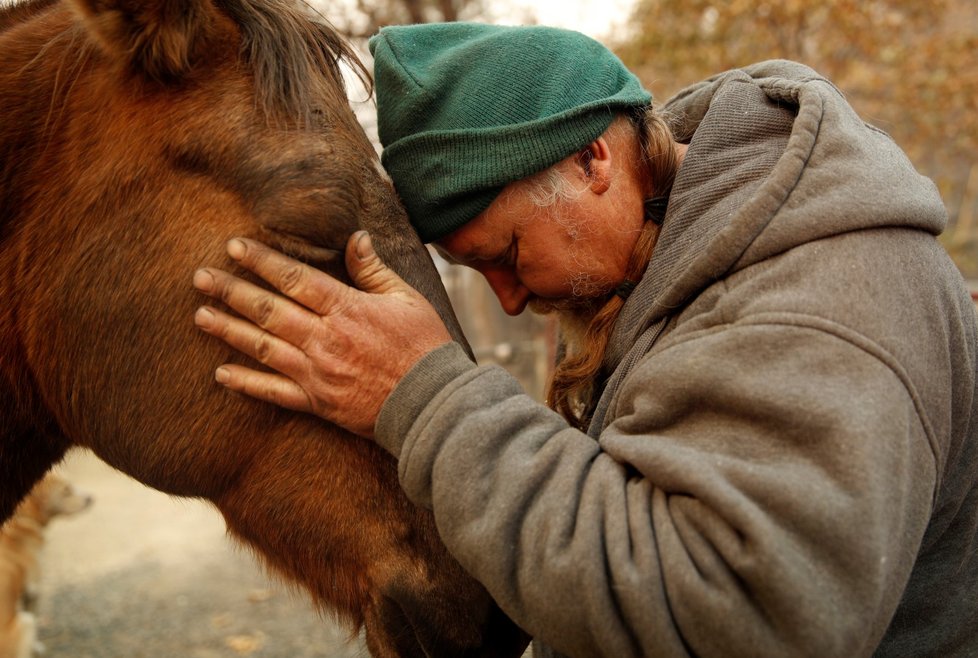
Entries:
{"x":21,"y":11}
{"x":295,"y":54}
{"x":290,"y":46}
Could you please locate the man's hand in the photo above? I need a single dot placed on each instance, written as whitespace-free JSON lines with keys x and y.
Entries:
{"x":340,"y":351}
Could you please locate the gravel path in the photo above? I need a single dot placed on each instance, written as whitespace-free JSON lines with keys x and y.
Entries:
{"x":144,"y":575}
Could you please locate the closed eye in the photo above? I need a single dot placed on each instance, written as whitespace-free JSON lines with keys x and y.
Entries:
{"x":508,"y":257}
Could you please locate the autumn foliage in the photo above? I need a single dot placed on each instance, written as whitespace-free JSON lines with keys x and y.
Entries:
{"x":909,"y":67}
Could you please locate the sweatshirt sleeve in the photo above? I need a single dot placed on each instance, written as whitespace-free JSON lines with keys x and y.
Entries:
{"x":743,"y":502}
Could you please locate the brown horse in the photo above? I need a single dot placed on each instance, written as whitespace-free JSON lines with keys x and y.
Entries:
{"x":136,"y":137}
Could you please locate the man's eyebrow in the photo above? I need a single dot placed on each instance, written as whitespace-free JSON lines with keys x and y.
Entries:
{"x":473,"y":254}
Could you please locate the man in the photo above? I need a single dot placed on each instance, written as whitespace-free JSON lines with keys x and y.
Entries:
{"x":778,"y":454}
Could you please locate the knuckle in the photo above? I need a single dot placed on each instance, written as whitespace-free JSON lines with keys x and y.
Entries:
{"x":226,"y":291}
{"x":372,"y":270}
{"x":254,"y":255}
{"x":291,"y":279}
{"x":271,"y":393}
{"x":263,"y":348}
{"x":222,"y":330}
{"x":263,"y":309}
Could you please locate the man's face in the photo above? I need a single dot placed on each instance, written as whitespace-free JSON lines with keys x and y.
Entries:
{"x":565,"y":257}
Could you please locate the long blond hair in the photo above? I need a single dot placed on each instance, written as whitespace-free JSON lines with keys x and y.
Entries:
{"x":574,"y":388}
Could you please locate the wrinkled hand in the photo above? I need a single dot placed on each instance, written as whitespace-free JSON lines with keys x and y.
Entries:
{"x":339,"y":351}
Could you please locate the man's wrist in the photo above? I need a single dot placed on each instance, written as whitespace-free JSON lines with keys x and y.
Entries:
{"x":423,"y":381}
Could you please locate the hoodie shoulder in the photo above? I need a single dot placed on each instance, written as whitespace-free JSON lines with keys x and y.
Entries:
{"x":778,"y":77}
{"x":852,"y":175}
{"x":825,"y":173}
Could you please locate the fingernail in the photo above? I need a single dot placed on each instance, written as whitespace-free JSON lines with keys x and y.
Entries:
{"x":203,"y":280}
{"x":363,"y":245}
{"x":222,"y":375}
{"x":236,"y":248}
{"x":203,"y":317}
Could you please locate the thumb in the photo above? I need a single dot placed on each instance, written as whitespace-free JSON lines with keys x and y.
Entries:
{"x":367,"y":270}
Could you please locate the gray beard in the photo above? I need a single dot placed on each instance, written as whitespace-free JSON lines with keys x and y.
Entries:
{"x":574,"y":315}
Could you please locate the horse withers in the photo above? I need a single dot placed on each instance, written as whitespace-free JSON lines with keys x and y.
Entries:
{"x":136,"y":137}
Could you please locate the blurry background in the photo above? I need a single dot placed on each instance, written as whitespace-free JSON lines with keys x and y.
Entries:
{"x":144,"y":575}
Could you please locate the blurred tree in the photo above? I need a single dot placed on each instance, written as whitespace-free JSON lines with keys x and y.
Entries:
{"x":362,"y":18}
{"x":908,"y":67}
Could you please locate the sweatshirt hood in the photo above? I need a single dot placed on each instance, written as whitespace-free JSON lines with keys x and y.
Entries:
{"x":777,"y":158}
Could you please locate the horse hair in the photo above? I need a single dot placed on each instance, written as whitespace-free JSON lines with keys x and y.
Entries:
{"x":289,"y":45}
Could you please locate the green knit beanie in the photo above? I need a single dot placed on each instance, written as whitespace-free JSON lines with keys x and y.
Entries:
{"x":465,"y":108}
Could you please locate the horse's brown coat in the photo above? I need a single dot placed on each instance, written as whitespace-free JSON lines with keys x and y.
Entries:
{"x":136,"y":137}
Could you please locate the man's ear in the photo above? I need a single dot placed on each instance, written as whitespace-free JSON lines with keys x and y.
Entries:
{"x":595,"y":163}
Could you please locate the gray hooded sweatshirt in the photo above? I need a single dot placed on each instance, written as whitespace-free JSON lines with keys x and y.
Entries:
{"x":784,"y":460}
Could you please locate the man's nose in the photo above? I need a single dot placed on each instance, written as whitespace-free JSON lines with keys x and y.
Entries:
{"x":513,"y":295}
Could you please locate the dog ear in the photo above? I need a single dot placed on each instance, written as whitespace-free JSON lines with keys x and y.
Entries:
{"x":161,"y":38}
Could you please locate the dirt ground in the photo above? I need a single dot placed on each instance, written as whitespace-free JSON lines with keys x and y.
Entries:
{"x":143,"y":575}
